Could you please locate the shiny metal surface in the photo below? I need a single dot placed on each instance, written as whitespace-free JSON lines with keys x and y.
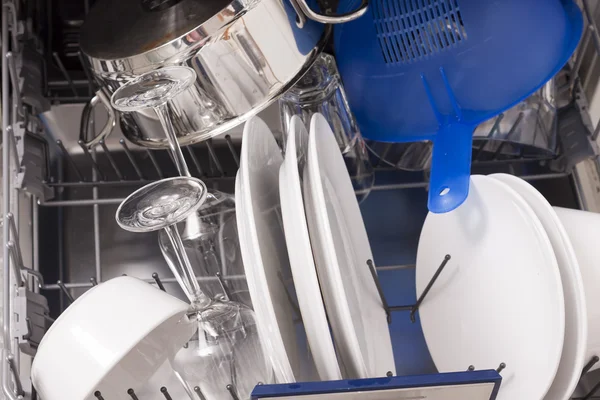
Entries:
{"x":174,"y":19}
{"x":241,"y":68}
{"x":336,"y":18}
{"x":87,"y":116}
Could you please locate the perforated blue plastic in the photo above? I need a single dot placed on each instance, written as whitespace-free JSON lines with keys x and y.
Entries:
{"x":434,"y":69}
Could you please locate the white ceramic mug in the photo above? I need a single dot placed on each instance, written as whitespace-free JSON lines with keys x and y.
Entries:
{"x":112,"y":338}
{"x":583,"y":229}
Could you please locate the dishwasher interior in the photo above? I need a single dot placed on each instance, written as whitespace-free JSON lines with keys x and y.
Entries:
{"x":64,"y":197}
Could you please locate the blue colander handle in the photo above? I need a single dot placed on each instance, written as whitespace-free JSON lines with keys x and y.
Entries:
{"x":450,"y":167}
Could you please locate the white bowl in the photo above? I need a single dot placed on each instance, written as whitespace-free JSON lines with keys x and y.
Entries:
{"x":165,"y":377}
{"x":583,"y":229}
{"x":111,"y":339}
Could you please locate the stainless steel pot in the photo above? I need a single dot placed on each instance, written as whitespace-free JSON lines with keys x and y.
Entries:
{"x":245,"y":54}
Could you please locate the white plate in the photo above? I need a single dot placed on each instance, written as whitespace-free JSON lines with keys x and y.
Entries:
{"x":573,"y":354}
{"x":301,"y":256}
{"x":341,"y":249}
{"x":264,"y":253}
{"x":583,"y":228}
{"x":500,"y":297}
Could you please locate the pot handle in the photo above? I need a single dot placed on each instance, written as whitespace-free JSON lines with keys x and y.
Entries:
{"x":100,"y":97}
{"x":333,"y":18}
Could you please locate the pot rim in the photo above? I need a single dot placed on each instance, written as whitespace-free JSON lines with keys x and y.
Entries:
{"x":195,"y":137}
{"x":178,"y":48}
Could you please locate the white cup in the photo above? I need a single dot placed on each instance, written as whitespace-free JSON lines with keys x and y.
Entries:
{"x":583,"y":229}
{"x":112,"y":338}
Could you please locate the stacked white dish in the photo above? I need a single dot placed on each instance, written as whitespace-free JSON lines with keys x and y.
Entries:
{"x":290,"y":210}
{"x":513,"y":291}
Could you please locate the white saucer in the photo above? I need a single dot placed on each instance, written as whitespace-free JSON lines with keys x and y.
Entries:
{"x":576,"y":326}
{"x":500,"y":297}
{"x":264,"y":253}
{"x":301,"y":256}
{"x":341,"y":250}
{"x":583,"y":228}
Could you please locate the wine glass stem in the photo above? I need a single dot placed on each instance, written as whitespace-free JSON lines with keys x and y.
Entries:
{"x":185,"y":275}
{"x":165,"y":121}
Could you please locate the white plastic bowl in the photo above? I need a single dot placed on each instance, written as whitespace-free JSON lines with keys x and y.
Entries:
{"x":112,"y":338}
{"x":583,"y":229}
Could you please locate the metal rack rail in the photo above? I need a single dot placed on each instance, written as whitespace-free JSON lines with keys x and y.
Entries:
{"x":15,"y":120}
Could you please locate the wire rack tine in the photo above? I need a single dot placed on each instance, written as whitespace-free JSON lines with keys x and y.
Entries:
{"x":158,"y":281}
{"x":199,"y":392}
{"x":596,"y":132}
{"x":195,"y":161}
{"x":223,"y":286}
{"x":15,"y":372}
{"x":66,"y":154}
{"x":155,"y":163}
{"x":89,"y":156}
{"x":384,"y":302}
{"x":589,"y":365}
{"x":134,"y":163}
{"x":13,"y":148}
{"x":132,"y":394}
{"x":65,"y":291}
{"x":12,"y":69}
{"x":580,"y":55}
{"x":509,"y":136}
{"x":231,"y":389}
{"x":489,"y":135}
{"x":165,"y":393}
{"x":12,"y":226}
{"x":232,"y":150}
{"x":16,"y":262}
{"x":214,"y":158}
{"x":111,"y":160}
{"x":65,"y":73}
{"x":428,"y":287}
{"x":13,"y":13}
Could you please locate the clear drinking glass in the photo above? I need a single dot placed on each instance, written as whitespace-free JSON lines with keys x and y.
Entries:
{"x":413,"y":156}
{"x":528,"y":129}
{"x":225,"y":359}
{"x":320,"y":90}
{"x":212,"y":244}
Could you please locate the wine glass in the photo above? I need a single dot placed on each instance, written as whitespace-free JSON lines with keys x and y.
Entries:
{"x":160,"y":206}
{"x":210,"y":236}
{"x":153,"y":90}
{"x":226,"y":357}
{"x":227,"y":335}
{"x":212,"y":244}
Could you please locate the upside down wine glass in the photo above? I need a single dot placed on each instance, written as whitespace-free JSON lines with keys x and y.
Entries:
{"x":210,"y":236}
{"x":225,"y":357}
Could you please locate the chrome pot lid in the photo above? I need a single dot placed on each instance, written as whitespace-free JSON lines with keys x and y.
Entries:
{"x":118,"y":29}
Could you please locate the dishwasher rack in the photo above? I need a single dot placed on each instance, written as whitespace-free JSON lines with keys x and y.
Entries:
{"x":27,"y":187}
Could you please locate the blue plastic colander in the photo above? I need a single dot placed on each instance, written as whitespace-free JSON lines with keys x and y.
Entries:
{"x":434,"y":69}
